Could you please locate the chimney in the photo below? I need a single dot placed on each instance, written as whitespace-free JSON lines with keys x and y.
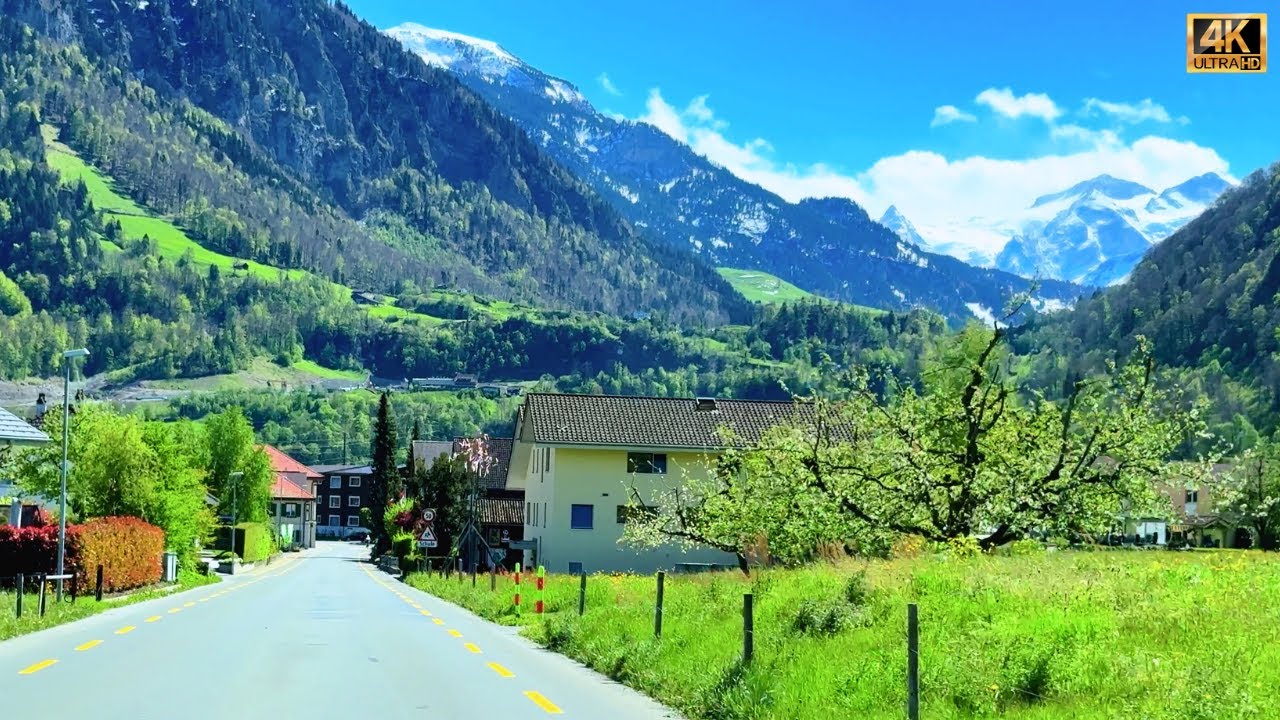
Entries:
{"x":705,"y":404}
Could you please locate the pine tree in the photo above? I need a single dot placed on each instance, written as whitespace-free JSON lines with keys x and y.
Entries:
{"x":412,"y":488}
{"x":387,"y":485}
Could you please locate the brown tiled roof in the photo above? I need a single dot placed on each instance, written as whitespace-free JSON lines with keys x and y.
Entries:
{"x":500,"y":449}
{"x":650,"y":421}
{"x":501,"y":511}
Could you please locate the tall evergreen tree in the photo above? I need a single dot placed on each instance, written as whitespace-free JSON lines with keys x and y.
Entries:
{"x":387,"y":485}
{"x":412,"y":487}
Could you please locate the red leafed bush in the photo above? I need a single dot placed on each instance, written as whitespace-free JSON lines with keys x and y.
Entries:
{"x":29,"y":550}
{"x":128,"y":549}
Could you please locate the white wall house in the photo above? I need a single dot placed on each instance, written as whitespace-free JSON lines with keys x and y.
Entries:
{"x":578,"y":457}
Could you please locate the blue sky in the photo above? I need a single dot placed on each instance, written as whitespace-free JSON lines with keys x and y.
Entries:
{"x":830,"y":97}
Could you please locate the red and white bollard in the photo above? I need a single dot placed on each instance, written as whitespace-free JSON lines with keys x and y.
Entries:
{"x":542,"y":572}
{"x":517,"y":576}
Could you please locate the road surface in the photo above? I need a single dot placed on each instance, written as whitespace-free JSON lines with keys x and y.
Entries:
{"x":319,"y":635}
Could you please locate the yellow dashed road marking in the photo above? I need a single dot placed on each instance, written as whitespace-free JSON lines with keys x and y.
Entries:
{"x":501,"y":670}
{"x":37,"y":667}
{"x":472,"y":647}
{"x":174,"y":610}
{"x":85,"y":646}
{"x":425,"y":612}
{"x":542,"y":702}
{"x":455,"y":633}
{"x":126,"y":629}
{"x":437,"y":621}
{"x":190,"y":604}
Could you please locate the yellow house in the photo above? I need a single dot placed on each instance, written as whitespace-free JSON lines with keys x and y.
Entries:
{"x":578,"y":457}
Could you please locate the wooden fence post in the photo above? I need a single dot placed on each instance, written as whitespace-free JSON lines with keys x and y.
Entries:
{"x":75,"y":585}
{"x":748,"y":628}
{"x":43,"y":583}
{"x":493,"y":579}
{"x":97,"y":590}
{"x":582,"y":593}
{"x":21,"y":590}
{"x":657,"y":611}
{"x":913,"y":663}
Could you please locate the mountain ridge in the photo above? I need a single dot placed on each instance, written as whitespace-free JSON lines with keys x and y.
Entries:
{"x":828,"y":246}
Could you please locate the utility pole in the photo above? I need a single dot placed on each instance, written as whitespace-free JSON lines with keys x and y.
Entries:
{"x":67,"y":357}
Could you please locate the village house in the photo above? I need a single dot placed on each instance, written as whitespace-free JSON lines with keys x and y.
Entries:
{"x":293,"y":499}
{"x":577,"y":458}
{"x":342,"y":491}
{"x":16,"y":432}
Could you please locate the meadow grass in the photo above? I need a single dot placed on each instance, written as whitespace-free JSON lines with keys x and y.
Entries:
{"x":310,"y":367}
{"x":66,"y":611}
{"x":758,"y":286}
{"x":1056,"y":635}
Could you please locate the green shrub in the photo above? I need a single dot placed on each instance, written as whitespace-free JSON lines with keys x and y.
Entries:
{"x":1025,"y":547}
{"x":819,"y":617}
{"x":254,"y":541}
{"x":963,"y":548}
{"x":403,"y":545}
{"x":856,"y":590}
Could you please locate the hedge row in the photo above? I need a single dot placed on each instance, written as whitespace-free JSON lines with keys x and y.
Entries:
{"x":253,"y":541}
{"x":128,"y":549}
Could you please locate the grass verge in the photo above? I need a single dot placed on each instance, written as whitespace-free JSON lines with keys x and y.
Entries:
{"x":1056,"y":635}
{"x":61,"y":613}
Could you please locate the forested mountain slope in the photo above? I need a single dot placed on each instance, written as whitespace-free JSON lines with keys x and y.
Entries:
{"x":1207,"y":299}
{"x":353,"y":158}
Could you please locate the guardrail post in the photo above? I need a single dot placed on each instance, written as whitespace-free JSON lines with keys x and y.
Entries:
{"x":21,"y":590}
{"x":582,"y":593}
{"x":657,"y":610}
{"x":913,"y":663}
{"x":75,"y":585}
{"x":43,"y":582}
{"x":748,"y":628}
{"x":97,"y":588}
{"x":493,"y":579}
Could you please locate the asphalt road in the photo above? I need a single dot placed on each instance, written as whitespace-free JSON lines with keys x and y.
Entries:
{"x":317,"y":636}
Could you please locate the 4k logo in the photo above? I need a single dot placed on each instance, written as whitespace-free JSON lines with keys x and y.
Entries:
{"x":1234,"y":43}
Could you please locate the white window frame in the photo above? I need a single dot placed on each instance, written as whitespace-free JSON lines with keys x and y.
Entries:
{"x":353,"y":481}
{"x":353,"y":501}
{"x":291,"y":510}
{"x":335,"y":482}
{"x":335,"y":502}
{"x":353,"y":521}
{"x":335,"y":521}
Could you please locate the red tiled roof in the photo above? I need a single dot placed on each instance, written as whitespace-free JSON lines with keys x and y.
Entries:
{"x":283,"y":463}
{"x":286,"y":489}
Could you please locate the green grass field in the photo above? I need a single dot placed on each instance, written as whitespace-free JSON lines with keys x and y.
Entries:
{"x":60,"y":613}
{"x":311,"y":368}
{"x":759,"y":286}
{"x":1055,"y":635}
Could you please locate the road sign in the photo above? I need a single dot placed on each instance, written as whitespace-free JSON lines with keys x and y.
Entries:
{"x":428,"y":537}
{"x":428,"y":515}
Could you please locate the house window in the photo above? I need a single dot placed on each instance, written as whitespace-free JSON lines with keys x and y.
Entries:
{"x":581,"y":517}
{"x":353,"y":501}
{"x":647,"y":463}
{"x":1193,"y":496}
{"x":546,"y":459}
{"x":353,"y":520}
{"x":335,"y":482}
{"x":575,"y":568}
{"x":537,"y":460}
{"x":335,"y":501}
{"x":528,"y":513}
{"x":626,"y":512}
{"x":275,"y":509}
{"x":335,"y":520}
{"x":353,"y":481}
{"x":291,"y":510}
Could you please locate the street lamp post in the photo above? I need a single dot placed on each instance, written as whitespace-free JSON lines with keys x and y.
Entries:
{"x":231,"y":535}
{"x":67,"y":357}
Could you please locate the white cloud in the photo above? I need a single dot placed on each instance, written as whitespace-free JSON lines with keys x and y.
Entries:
{"x":1141,"y":111}
{"x":1004,"y":102}
{"x":936,"y":192}
{"x":946,"y":114}
{"x":608,"y":85}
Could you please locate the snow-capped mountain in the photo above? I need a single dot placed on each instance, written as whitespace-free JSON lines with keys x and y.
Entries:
{"x":830,"y":246}
{"x":1092,"y":233}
